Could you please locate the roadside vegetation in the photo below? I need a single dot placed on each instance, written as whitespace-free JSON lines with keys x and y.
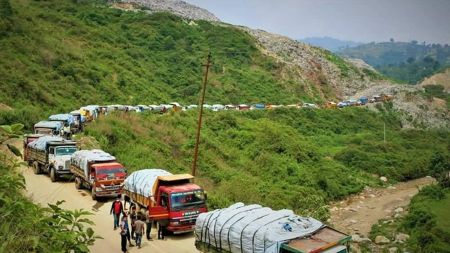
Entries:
{"x":297,"y":159}
{"x":59,"y":55}
{"x":27,"y":227}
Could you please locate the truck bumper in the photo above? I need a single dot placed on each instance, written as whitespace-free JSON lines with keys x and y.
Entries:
{"x":181,"y":229}
{"x":63,"y":173}
{"x":107,"y":193}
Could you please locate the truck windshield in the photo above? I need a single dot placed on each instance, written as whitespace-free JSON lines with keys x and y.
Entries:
{"x":110,"y":173}
{"x":65,"y":150}
{"x":184,"y":199}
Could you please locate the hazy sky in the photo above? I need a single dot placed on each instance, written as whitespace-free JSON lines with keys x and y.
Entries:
{"x":358,"y":20}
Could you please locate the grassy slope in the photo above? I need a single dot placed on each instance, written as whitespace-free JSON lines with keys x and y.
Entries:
{"x":57,"y":56}
{"x":297,"y":159}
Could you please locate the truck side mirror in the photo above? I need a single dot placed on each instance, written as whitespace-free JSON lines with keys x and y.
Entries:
{"x":206,"y":196}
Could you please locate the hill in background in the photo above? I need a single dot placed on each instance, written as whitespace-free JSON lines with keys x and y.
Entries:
{"x":407,"y":62}
{"x":330,"y":43}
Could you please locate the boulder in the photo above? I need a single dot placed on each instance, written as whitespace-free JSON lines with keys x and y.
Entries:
{"x":356,"y":238}
{"x":381,"y":239}
{"x":383,"y":179}
{"x":393,"y":250}
{"x":398,"y":210}
{"x":401,"y":237}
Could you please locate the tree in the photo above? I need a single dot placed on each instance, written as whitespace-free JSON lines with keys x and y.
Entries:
{"x":440,"y":168}
{"x":5,"y":9}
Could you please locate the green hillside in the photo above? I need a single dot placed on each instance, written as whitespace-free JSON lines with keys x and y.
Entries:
{"x":298,"y":159}
{"x":59,"y":55}
{"x":408,"y":62}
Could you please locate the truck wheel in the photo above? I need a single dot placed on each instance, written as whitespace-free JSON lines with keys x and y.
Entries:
{"x":53,"y":175}
{"x":78,"y":184}
{"x":94,"y":197}
{"x":36,"y":168}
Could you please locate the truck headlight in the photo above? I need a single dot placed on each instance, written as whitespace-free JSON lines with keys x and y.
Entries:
{"x":174,"y":223}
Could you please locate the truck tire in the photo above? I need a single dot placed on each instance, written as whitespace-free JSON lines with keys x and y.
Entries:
{"x":94,"y":197}
{"x":36,"y":168}
{"x":78,"y":184}
{"x":53,"y":176}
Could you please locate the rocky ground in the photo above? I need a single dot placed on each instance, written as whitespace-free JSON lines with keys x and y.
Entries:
{"x":358,"y":213}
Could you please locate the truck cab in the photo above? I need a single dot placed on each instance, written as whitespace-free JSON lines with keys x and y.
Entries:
{"x":179,"y":201}
{"x":106,"y":179}
{"x":59,"y":158}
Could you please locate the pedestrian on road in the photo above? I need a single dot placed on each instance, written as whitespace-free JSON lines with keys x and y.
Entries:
{"x":133,"y":217}
{"x":162,"y":227}
{"x":116,"y":210}
{"x":139,"y":230}
{"x":148,"y":223}
{"x":123,"y":234}
{"x":128,"y":231}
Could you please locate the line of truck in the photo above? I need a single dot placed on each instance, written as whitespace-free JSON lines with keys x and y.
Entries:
{"x":172,"y":197}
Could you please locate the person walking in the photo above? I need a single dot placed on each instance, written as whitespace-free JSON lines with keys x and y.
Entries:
{"x":162,"y":227}
{"x":148,"y":223}
{"x":116,"y":210}
{"x":139,"y":230}
{"x":123,"y":234}
{"x":128,"y":237}
{"x":133,"y":218}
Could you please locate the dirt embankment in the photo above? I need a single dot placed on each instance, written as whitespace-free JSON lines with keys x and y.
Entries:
{"x":358,"y":213}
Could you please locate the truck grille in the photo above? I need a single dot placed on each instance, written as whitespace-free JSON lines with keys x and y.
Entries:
{"x":67,"y":165}
{"x":112,"y":187}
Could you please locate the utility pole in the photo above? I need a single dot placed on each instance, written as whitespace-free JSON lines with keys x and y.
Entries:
{"x":200,"y":114}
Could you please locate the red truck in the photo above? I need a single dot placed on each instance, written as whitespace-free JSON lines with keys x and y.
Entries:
{"x":171,"y":197}
{"x":98,"y":171}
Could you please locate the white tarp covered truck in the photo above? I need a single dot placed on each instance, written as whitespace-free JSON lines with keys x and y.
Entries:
{"x":98,"y":171}
{"x":255,"y":229}
{"x":170,"y":197}
{"x":50,"y":154}
{"x":48,"y":127}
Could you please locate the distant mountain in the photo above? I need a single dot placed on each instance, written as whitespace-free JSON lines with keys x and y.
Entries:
{"x":329,"y":43}
{"x":406,"y":61}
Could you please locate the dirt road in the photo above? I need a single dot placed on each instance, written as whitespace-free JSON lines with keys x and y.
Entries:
{"x":358,"y":213}
{"x":41,"y":190}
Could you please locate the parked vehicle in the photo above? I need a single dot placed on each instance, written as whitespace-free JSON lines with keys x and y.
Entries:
{"x":217,"y":107}
{"x":258,"y":107}
{"x":363,"y":100}
{"x":48,"y":127}
{"x":168,"y":196}
{"x":309,"y":106}
{"x":297,"y":106}
{"x":330,"y":105}
{"x":230,"y":107}
{"x":243,"y":107}
{"x":50,"y":154}
{"x":176,"y":107}
{"x":257,"y":229}
{"x":67,"y":120}
{"x":78,"y":121}
{"x":98,"y":171}
{"x":342,"y":104}
{"x":191,"y":107}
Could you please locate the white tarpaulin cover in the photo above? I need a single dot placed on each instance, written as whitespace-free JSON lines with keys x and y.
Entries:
{"x":62,"y":117}
{"x":142,"y":181}
{"x":252,"y":228}
{"x":49,"y":124}
{"x":81,"y":158}
{"x":41,"y":142}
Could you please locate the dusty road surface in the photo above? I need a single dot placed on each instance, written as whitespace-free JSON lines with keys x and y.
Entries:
{"x":358,"y":213}
{"x":41,"y":190}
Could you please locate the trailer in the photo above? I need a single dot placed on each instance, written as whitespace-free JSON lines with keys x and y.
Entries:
{"x":167,"y":197}
{"x":50,"y":154}
{"x":99,"y":172}
{"x":244,"y":228}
